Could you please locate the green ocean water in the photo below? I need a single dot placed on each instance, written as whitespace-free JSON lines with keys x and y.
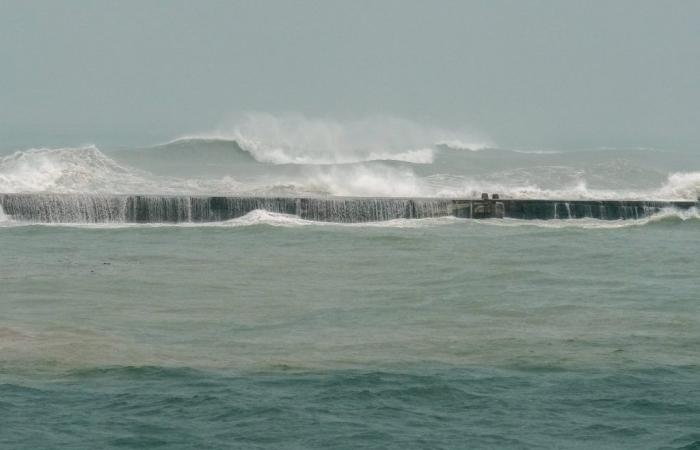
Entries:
{"x":235,"y":225}
{"x":438,"y":333}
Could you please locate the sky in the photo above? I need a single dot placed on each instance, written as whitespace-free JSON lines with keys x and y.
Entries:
{"x":521,"y":73}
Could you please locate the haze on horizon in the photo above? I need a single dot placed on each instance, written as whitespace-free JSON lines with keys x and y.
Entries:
{"x":536,"y":73}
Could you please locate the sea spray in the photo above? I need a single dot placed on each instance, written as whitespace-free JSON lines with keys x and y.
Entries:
{"x":682,"y":185}
{"x":79,"y":169}
{"x":215,"y":167}
{"x":296,"y":139}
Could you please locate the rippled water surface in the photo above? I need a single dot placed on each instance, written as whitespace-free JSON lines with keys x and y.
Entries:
{"x":415,"y":334}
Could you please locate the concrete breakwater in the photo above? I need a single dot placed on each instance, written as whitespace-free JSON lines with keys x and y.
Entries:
{"x":94,"y":208}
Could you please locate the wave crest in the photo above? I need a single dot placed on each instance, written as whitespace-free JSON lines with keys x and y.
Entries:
{"x":210,"y":167}
{"x":88,"y":170}
{"x":296,"y":139}
{"x":79,"y":169}
{"x":682,"y":185}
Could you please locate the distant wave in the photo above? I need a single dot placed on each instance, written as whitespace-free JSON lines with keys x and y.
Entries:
{"x":296,"y":139}
{"x":456,"y":144}
{"x":280,"y":156}
{"x":213,"y":149}
{"x":453,"y":175}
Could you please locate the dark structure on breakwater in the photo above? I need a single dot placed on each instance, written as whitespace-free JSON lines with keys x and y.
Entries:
{"x":94,"y":208}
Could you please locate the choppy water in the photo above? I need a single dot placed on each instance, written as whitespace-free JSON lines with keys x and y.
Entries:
{"x":265,"y":155}
{"x":271,"y":331}
{"x":439,"y":334}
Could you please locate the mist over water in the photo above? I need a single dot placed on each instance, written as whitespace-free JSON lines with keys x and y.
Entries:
{"x":376,"y":156}
{"x":500,"y":333}
{"x":251,"y":225}
{"x":296,"y":139}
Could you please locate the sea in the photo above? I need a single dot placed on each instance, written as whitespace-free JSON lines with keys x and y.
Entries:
{"x":270,"y":331}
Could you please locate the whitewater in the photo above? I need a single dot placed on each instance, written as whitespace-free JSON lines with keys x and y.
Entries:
{"x":314,"y":274}
{"x":379,"y":157}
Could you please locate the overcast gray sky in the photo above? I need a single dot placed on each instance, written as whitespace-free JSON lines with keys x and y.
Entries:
{"x":529,"y":73}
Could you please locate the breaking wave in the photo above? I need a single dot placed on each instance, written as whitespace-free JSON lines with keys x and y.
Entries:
{"x":82,"y":169}
{"x":296,"y":139}
{"x":681,"y":185}
{"x":381,"y":156}
{"x":88,"y":170}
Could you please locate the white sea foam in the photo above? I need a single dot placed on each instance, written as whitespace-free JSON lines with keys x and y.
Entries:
{"x":681,"y":185}
{"x":365,"y":181}
{"x":471,"y":188}
{"x":457,"y":144}
{"x":296,"y":139}
{"x":79,"y":169}
{"x":88,"y":170}
{"x":262,"y":217}
{"x":255,"y":218}
{"x":665,"y":215}
{"x":685,"y":186}
{"x":675,"y":214}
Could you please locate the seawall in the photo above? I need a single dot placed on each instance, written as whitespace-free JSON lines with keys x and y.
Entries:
{"x":93,"y":208}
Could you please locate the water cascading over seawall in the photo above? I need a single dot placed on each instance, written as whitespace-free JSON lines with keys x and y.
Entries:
{"x":93,"y":208}
{"x":75,"y":208}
